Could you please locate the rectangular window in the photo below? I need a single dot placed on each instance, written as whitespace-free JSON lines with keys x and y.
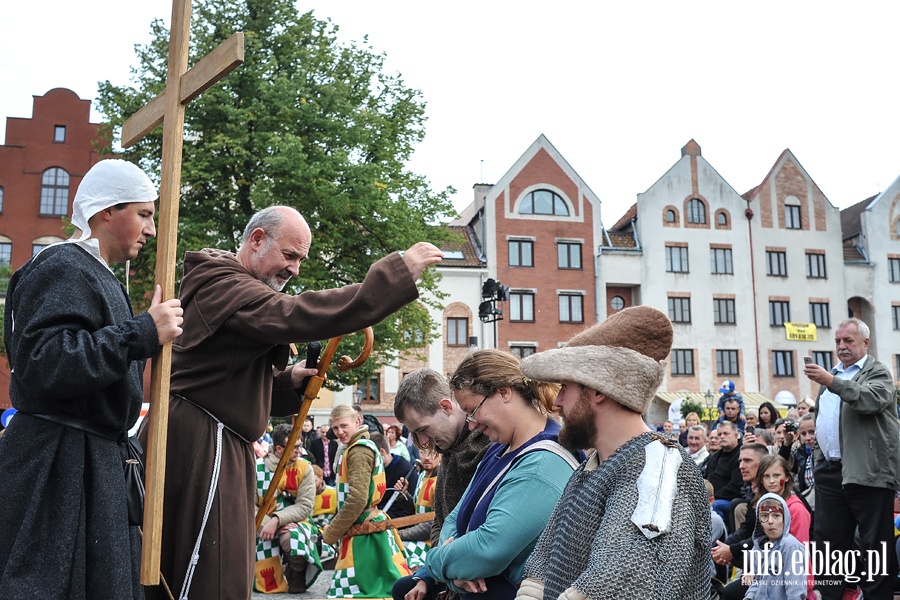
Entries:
{"x":720,"y":261}
{"x":571,"y":308}
{"x":727,"y":362}
{"x":568,"y":255}
{"x":776,"y":263}
{"x":783,"y":363}
{"x":723,"y":311}
{"x":5,"y":253}
{"x":895,"y":311}
{"x":792,"y":216}
{"x":59,"y":134}
{"x":372,"y":390}
{"x":521,"y":306}
{"x":823,"y":358}
{"x":779,"y":312}
{"x":815,"y":266}
{"x":458,"y":331}
{"x":677,"y":259}
{"x":521,"y":253}
{"x":522,"y":351}
{"x":819,"y":314}
{"x":682,"y":362}
{"x":36,"y":248}
{"x":894,"y":268}
{"x":897,"y":367}
{"x":680,"y":310}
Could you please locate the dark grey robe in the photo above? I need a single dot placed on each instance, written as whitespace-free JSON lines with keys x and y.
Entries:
{"x":76,"y":349}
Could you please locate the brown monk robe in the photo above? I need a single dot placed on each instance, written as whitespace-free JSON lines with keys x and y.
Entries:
{"x":230,"y":366}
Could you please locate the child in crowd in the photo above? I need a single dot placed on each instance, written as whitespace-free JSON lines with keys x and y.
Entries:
{"x":778,"y":565}
{"x":774,"y":477}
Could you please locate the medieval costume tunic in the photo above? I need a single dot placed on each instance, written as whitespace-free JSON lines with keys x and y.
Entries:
{"x":592,"y":548}
{"x":76,"y":352}
{"x":418,"y":542}
{"x":229,"y":374}
{"x":323,"y":513}
{"x":294,"y":502}
{"x":369,"y":564}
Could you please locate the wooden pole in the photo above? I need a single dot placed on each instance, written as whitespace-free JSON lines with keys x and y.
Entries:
{"x":161,"y":367}
{"x":168,"y":108}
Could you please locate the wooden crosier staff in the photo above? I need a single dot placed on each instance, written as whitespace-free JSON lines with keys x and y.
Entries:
{"x":345,"y":363}
{"x":182,"y":86}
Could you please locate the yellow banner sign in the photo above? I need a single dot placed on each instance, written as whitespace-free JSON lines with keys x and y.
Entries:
{"x":800,"y":332}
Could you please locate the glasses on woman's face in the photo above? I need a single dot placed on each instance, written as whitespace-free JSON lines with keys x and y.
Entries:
{"x":470,"y":418}
{"x":774,"y":516}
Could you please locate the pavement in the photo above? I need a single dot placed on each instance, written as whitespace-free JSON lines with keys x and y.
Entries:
{"x":318,"y":591}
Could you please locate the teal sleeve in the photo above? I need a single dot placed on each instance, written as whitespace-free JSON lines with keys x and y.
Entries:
{"x":517,"y":514}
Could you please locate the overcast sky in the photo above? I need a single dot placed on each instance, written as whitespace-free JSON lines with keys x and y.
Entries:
{"x":617,"y":87}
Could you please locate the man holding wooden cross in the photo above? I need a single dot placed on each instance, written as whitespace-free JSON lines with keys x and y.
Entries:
{"x":77,"y":354}
{"x":230,"y":373}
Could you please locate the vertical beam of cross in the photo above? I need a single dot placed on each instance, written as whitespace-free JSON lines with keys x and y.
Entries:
{"x":168,"y":108}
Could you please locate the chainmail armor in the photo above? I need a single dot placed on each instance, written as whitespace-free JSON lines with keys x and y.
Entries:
{"x":591,"y":544}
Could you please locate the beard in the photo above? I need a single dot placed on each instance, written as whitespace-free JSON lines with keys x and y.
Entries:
{"x":277,"y":281}
{"x":579,"y":430}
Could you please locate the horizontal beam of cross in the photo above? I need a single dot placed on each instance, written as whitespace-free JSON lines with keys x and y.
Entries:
{"x":214,"y":66}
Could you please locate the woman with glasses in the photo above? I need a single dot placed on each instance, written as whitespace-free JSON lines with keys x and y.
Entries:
{"x":487,"y":538}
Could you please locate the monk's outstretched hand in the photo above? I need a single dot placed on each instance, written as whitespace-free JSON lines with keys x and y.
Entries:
{"x":420,"y":256}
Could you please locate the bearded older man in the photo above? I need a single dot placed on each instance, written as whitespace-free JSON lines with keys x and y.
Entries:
{"x":230,"y":373}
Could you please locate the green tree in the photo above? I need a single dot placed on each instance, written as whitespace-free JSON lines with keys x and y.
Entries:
{"x":306,"y":122}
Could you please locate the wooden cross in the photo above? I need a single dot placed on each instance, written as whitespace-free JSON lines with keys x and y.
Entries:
{"x":182,"y":86}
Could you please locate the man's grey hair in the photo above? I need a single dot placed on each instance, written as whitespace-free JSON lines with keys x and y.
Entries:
{"x":766,"y":435}
{"x":729,"y":424}
{"x":268,"y":219}
{"x":421,"y":391}
{"x":861,"y":327}
{"x":699,"y":428}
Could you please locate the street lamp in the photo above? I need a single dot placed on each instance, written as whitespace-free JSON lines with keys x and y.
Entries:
{"x":358,"y":394}
{"x":709,"y":404}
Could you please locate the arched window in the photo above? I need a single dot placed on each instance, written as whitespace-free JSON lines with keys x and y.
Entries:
{"x":896,"y":225}
{"x":696,"y":211}
{"x":544,"y":202}
{"x":722,"y":219}
{"x":54,"y":192}
{"x":670,"y":216}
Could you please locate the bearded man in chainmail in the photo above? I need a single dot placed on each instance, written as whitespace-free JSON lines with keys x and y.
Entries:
{"x":634,"y":519}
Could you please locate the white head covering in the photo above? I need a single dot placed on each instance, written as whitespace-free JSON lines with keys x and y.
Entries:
{"x":106,"y":184}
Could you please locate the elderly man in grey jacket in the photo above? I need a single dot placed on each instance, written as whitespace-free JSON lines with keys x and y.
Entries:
{"x":857,"y":456}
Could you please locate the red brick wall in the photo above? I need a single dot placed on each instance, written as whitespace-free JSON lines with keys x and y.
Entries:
{"x":545,"y":276}
{"x":28,"y":151}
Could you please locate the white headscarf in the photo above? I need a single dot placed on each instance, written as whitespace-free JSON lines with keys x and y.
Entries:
{"x":106,"y":184}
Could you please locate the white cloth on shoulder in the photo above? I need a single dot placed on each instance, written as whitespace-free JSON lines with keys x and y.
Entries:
{"x":657,"y":486}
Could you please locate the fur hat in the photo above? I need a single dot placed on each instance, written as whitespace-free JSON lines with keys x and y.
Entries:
{"x":624,"y":357}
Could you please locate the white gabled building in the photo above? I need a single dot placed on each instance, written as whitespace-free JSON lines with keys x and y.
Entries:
{"x":871,"y":232}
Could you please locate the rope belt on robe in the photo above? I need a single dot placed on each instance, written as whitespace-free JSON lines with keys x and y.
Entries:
{"x":213,"y":485}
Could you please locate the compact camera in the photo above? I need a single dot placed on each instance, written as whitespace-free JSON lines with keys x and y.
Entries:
{"x":790,"y":427}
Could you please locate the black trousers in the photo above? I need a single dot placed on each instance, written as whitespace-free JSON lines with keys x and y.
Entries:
{"x":840,"y":509}
{"x":403,"y":585}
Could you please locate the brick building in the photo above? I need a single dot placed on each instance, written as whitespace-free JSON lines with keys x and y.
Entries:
{"x":42,"y":161}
